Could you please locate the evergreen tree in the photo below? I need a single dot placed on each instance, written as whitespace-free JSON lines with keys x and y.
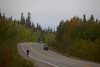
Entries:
{"x":48,"y":29}
{"x":3,"y":15}
{"x":84,"y":18}
{"x":54,"y":32}
{"x":33,"y":27}
{"x":22,"y":19}
{"x":96,"y":20}
{"x":92,"y":18}
{"x":18,"y":21}
{"x":40,"y":28}
{"x":28,"y":20}
{"x":0,"y":13}
{"x":10,"y":18}
{"x":37,"y":27}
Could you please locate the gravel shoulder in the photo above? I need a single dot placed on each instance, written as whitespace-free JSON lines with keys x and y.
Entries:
{"x":36,"y":63}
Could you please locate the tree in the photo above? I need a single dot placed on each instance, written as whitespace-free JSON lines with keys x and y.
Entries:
{"x":96,"y":20}
{"x":33,"y":27}
{"x":73,"y":27}
{"x":40,"y":28}
{"x":84,"y":18}
{"x":0,"y":13}
{"x":48,"y":29}
{"x":28,"y":20}
{"x":22,"y":19}
{"x":92,"y":18}
{"x":51,"y":30}
{"x":10,"y":18}
{"x":37,"y":27}
{"x":3,"y":15}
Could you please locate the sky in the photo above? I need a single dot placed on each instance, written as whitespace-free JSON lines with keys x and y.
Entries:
{"x":50,"y":12}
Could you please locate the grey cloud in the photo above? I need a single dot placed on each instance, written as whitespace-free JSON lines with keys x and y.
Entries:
{"x":50,"y":12}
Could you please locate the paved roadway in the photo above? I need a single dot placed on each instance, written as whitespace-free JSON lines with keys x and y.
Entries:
{"x":52,"y":58}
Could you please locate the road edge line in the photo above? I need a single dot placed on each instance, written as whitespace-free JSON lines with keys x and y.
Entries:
{"x":38,"y":59}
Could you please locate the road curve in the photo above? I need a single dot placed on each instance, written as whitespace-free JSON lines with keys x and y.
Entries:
{"x":52,"y":58}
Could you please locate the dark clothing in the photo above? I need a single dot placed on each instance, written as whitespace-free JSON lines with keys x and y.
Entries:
{"x":27,"y":52}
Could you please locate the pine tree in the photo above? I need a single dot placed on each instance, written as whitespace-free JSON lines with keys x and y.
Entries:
{"x":51,"y":30}
{"x":28,"y":20}
{"x":40,"y":28}
{"x":0,"y":13}
{"x":84,"y":18}
{"x":37,"y":27}
{"x":33,"y":27}
{"x":22,"y":19}
{"x":3,"y":15}
{"x":96,"y":20}
{"x":48,"y":29}
{"x":92,"y":18}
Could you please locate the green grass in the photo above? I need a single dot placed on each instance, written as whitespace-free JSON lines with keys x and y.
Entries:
{"x":20,"y":62}
{"x":12,"y":58}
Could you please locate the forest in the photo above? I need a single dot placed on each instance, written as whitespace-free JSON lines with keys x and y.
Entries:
{"x":23,"y":29}
{"x":13,"y":32}
{"x":78,"y":37}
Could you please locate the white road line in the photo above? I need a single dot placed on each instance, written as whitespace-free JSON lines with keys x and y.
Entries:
{"x":38,"y":59}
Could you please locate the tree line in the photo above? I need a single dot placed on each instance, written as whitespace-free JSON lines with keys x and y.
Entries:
{"x":78,"y":37}
{"x":24,"y":29}
{"x":15,"y":31}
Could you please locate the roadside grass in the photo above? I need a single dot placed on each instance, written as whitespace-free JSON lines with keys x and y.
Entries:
{"x":18,"y":61}
{"x":9,"y":56}
{"x":67,"y":55}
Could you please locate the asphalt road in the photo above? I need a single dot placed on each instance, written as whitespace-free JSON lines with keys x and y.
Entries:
{"x":49,"y":57}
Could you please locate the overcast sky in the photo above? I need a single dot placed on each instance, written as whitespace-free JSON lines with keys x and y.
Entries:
{"x":50,"y":12}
